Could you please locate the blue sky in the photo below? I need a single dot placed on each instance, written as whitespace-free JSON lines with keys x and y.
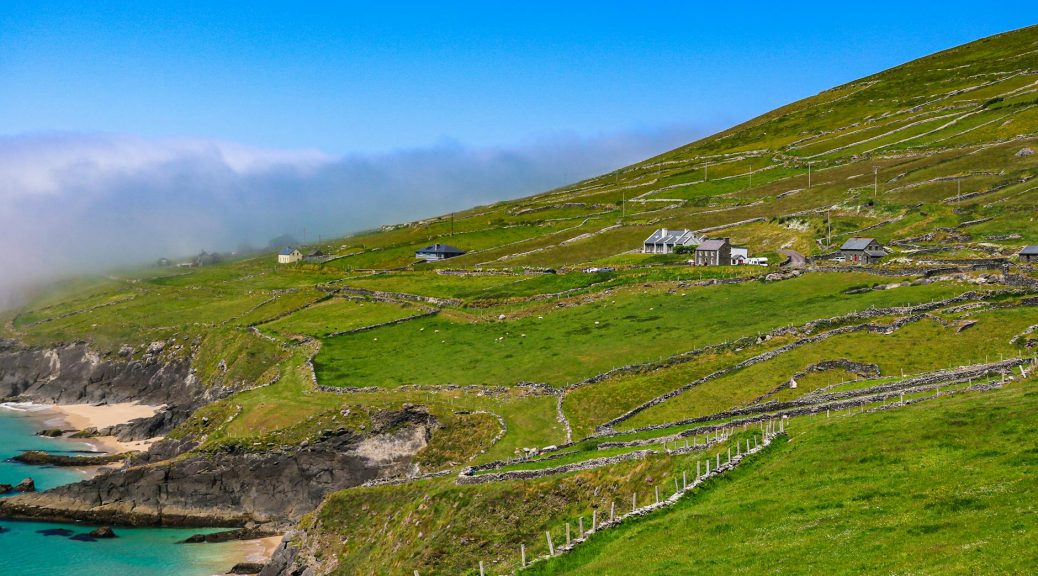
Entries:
{"x":133,"y":130}
{"x":370,"y":77}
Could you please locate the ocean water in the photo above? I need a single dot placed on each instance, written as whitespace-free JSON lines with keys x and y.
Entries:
{"x":24,"y":551}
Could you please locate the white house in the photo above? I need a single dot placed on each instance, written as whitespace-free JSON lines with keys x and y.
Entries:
{"x":740,"y":255}
{"x":289,"y":255}
{"x":664,"y":241}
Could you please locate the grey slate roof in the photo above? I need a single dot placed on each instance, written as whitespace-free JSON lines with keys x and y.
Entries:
{"x":710,"y":245}
{"x":857,"y":244}
{"x":441,"y":249}
{"x":1031,"y":250}
{"x":671,"y":237}
{"x":876,"y":253}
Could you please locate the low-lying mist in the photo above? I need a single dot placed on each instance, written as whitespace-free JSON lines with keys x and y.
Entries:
{"x":74,"y":204}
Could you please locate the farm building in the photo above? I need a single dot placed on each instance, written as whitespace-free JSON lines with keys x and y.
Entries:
{"x":315,"y":256}
{"x":438,"y":252}
{"x":862,"y":250}
{"x":714,"y":252}
{"x":289,"y":255}
{"x":664,"y":241}
{"x":740,"y":255}
{"x":1029,"y":254}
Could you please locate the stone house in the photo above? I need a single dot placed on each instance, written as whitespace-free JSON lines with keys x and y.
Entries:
{"x":862,"y":250}
{"x":714,"y":252}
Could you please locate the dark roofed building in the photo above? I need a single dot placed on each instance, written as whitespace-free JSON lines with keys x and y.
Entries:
{"x":714,"y":252}
{"x":1029,"y":254}
{"x":438,"y":252}
{"x":862,"y":250}
{"x":315,"y":256}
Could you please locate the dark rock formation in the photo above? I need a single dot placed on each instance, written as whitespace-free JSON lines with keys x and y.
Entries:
{"x":285,"y":561}
{"x":52,"y":432}
{"x":74,"y":374}
{"x":102,"y":532}
{"x":39,"y":458}
{"x":232,"y":489}
{"x":248,"y":533}
{"x":55,"y":532}
{"x":246,"y":568}
{"x":26,"y":485}
{"x":5,"y":488}
{"x":83,"y":538}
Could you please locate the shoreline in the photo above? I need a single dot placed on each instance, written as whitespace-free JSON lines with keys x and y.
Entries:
{"x":84,"y":416}
{"x":81,"y":416}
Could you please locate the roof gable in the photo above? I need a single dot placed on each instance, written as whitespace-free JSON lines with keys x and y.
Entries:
{"x":857,"y":243}
{"x":667,"y":236}
{"x":711,"y":245}
{"x":441,"y":249}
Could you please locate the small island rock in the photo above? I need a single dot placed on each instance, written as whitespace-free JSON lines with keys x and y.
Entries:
{"x":103,"y":532}
{"x":26,"y":485}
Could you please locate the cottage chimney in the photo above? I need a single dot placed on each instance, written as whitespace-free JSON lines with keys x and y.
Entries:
{"x":664,"y":231}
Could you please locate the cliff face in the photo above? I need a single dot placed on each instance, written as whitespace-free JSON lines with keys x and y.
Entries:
{"x":73,"y":374}
{"x":231,"y":489}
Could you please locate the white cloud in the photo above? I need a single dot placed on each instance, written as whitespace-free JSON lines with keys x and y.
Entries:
{"x":71,"y":203}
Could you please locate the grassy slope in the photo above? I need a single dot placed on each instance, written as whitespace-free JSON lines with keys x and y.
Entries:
{"x":958,"y":118}
{"x":942,"y":488}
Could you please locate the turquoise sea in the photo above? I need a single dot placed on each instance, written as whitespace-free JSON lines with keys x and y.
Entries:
{"x":24,"y":551}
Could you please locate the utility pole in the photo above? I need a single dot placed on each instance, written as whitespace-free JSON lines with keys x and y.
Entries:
{"x":623,"y":204}
{"x":706,"y":172}
{"x":808,"y":174}
{"x":829,"y":228}
{"x":958,"y":190}
{"x":875,"y":182}
{"x":452,"y":223}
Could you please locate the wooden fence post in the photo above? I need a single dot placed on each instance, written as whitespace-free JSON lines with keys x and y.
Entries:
{"x":567,"y":533}
{"x":551,"y":547}
{"x":481,"y":572}
{"x":522,"y":554}
{"x":612,"y":510}
{"x":581,"y":527}
{"x":594,"y":520}
{"x":684,"y":480}
{"x":657,"y":494}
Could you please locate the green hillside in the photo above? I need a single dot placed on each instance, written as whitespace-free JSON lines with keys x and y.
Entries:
{"x":897,"y":459}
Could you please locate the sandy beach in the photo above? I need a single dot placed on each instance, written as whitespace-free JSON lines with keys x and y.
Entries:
{"x":259,"y":550}
{"x":82,"y":416}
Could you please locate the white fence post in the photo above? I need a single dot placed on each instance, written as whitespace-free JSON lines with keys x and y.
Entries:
{"x":551,"y":547}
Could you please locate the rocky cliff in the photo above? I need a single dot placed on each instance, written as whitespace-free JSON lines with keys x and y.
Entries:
{"x":74,"y":374}
{"x":232,"y":489}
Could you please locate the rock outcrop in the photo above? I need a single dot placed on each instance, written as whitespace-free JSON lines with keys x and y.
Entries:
{"x":74,"y":374}
{"x":233,"y":489}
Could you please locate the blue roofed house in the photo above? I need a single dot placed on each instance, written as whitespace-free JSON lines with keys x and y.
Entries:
{"x":289,"y":255}
{"x":438,"y":252}
{"x":664,"y":241}
{"x":862,"y":250}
